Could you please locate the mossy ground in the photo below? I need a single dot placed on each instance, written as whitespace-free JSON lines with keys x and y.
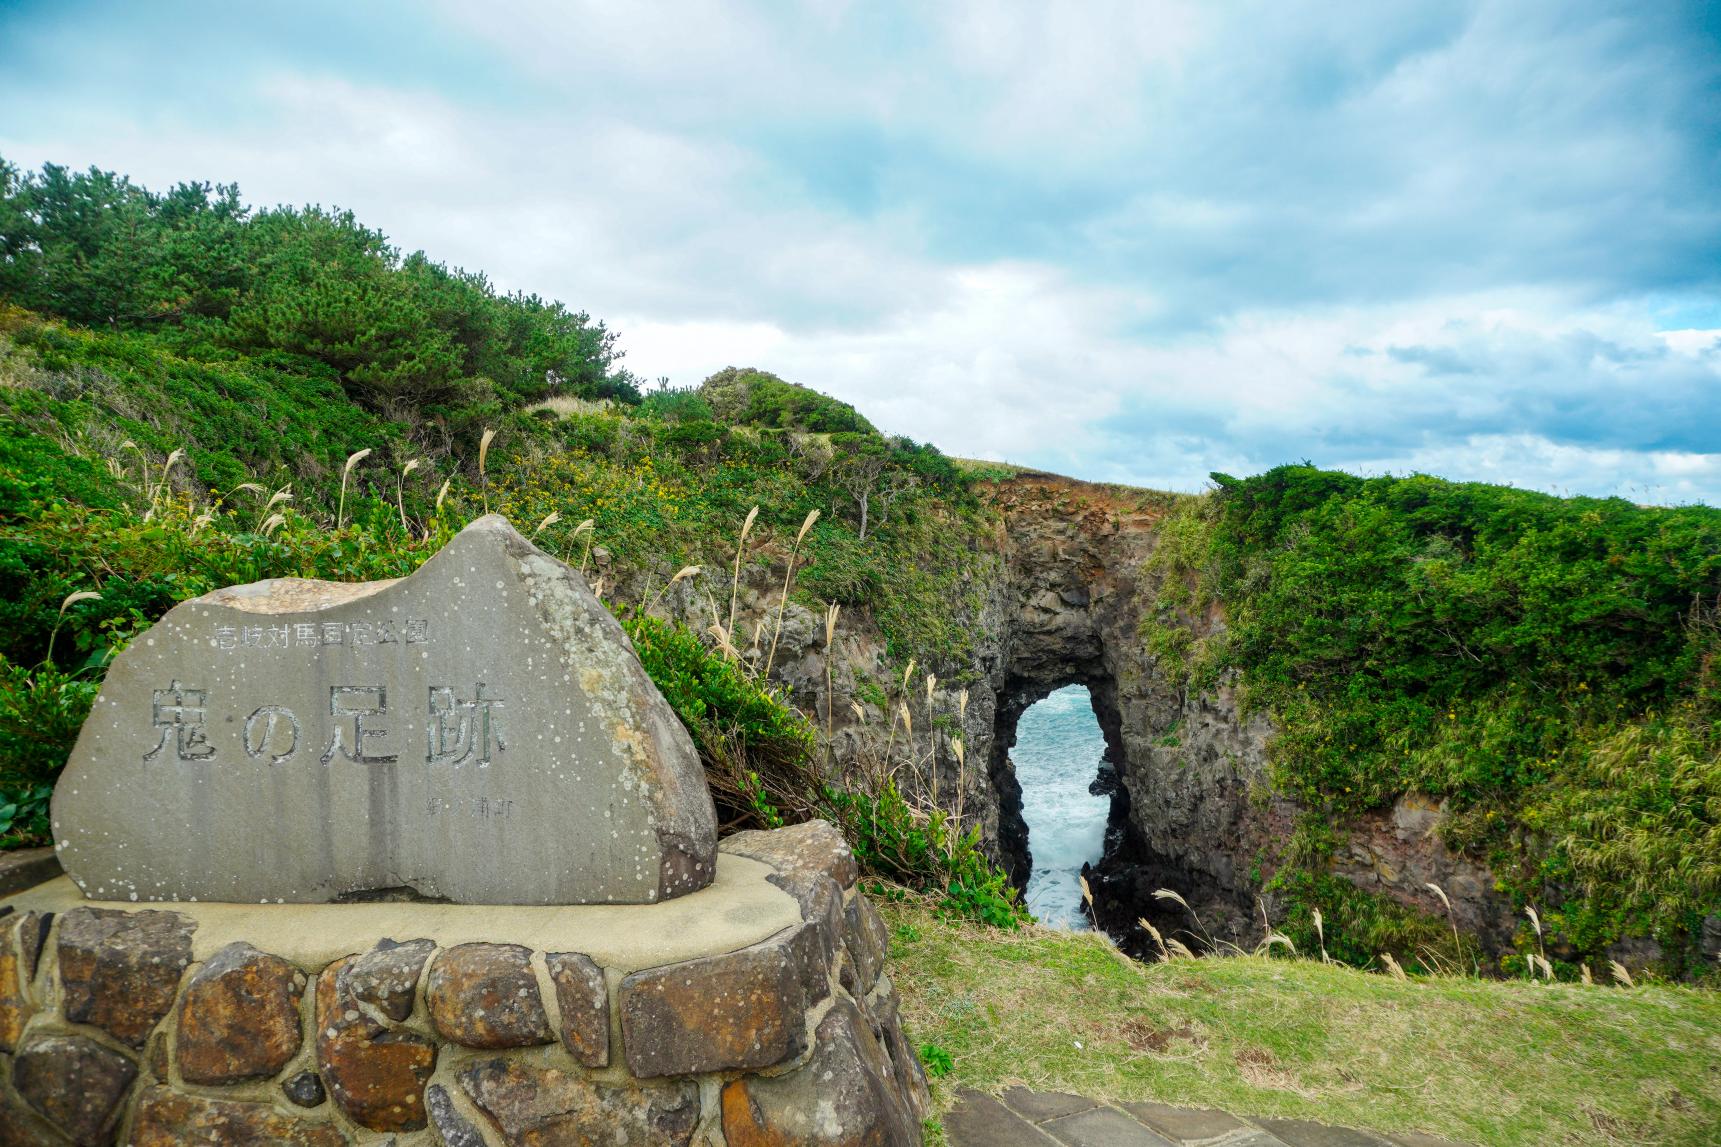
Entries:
{"x":1479,"y":1061}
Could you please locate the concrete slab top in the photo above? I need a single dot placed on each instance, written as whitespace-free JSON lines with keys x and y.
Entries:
{"x":740,"y":907}
{"x":25,"y":868}
{"x":1102,"y":1127}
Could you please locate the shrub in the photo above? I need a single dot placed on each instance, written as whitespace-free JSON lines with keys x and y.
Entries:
{"x":757,"y":751}
{"x":750,"y":397}
{"x":403,"y":334}
{"x":675,"y":404}
{"x":1635,"y":819}
{"x":759,"y":758}
{"x":41,"y":711}
{"x":921,"y":849}
{"x":1356,"y":926}
{"x":937,"y":1061}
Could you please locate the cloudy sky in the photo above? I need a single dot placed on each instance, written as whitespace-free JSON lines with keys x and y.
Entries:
{"x":1134,"y":241}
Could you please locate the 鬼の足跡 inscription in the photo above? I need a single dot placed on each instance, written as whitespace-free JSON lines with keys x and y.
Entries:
{"x":480,"y":732}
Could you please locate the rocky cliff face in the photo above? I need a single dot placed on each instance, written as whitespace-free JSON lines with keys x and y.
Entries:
{"x":1181,"y":769}
{"x":1064,"y":603}
{"x":1194,"y":808}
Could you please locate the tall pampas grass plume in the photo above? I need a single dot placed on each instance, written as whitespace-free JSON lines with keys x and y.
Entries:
{"x":353,"y":460}
{"x":788,"y":575}
{"x":735,"y":576}
{"x":484,"y":442}
{"x":400,"y":492}
{"x":68,"y":602}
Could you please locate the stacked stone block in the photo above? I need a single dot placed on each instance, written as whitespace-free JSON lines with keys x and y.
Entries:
{"x":110,"y":1033}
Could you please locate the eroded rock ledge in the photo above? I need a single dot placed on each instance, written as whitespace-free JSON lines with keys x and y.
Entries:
{"x":756,"y":1011}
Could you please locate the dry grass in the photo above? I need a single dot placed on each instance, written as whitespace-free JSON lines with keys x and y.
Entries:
{"x":483,"y":459}
{"x":346,"y":472}
{"x":563,"y":405}
{"x":788,"y":579}
{"x":1484,"y":1062}
{"x":400,"y":492}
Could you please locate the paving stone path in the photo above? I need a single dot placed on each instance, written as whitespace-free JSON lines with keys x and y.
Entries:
{"x":1026,"y":1118}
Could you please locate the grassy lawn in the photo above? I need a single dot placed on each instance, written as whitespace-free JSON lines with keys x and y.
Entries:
{"x":1485,"y":1062}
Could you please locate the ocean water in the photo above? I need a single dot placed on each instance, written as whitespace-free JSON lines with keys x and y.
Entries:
{"x":1058,"y":751}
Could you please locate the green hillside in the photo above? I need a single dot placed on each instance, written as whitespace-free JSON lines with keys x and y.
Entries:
{"x":193,"y":394}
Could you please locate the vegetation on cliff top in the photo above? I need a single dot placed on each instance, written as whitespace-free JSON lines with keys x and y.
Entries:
{"x":1549,"y":666}
{"x":748,"y":397}
{"x":216,"y":281}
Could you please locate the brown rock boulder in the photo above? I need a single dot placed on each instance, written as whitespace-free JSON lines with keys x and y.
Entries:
{"x":485,"y":996}
{"x":32,"y":938}
{"x":800,"y":853}
{"x":543,"y":1107}
{"x":885,"y":1011}
{"x":584,"y":1000}
{"x":239,"y":1017}
{"x":845,"y":1095}
{"x":737,"y":1011}
{"x":387,"y":976}
{"x":867,"y":940}
{"x":16,"y":1006}
{"x":167,"y":1119}
{"x":74,"y":1083}
{"x":22,"y":1127}
{"x":305,"y":1090}
{"x":812,"y":863}
{"x":452,"y":1128}
{"x":120,"y":970}
{"x":375,"y":1075}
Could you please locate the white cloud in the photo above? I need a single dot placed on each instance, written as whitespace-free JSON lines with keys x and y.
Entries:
{"x":1691,"y":342}
{"x":1142,"y":244}
{"x":1007,"y":358}
{"x":1532,"y":462}
{"x":606,"y":214}
{"x":686,"y":352}
{"x":1020,"y":363}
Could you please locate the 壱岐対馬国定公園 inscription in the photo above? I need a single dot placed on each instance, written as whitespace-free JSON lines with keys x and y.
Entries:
{"x":316,"y":634}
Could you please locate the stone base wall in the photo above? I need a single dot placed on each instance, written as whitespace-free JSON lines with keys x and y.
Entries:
{"x":111,"y":1031}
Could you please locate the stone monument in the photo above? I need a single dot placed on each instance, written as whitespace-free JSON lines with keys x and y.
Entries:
{"x":479,"y":732}
{"x":433,"y":862}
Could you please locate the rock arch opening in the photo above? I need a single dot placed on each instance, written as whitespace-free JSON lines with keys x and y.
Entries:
{"x":1060,"y":763}
{"x":1092,"y":766}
